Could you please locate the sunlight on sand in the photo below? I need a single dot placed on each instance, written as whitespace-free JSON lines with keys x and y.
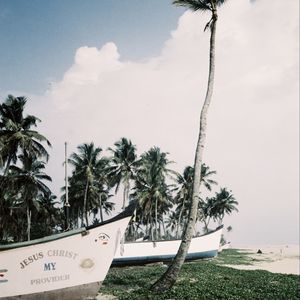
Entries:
{"x":283,"y":259}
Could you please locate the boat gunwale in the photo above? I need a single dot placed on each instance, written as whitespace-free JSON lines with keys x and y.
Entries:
{"x":126,"y":213}
{"x":176,"y":240}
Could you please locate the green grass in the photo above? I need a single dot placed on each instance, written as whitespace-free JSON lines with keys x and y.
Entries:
{"x":237,"y":257}
{"x":204,"y":279}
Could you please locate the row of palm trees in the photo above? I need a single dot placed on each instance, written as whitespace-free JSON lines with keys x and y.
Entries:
{"x":163,"y":195}
{"x":24,"y":196}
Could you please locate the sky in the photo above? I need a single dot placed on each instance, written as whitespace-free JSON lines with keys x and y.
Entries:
{"x":100,"y":70}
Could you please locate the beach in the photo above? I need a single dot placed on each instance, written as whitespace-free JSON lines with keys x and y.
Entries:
{"x":284,"y":259}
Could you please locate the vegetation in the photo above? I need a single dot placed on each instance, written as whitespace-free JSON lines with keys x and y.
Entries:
{"x":235,"y":257}
{"x":23,"y":191}
{"x":88,"y":184}
{"x":204,"y":280}
{"x":28,"y":208}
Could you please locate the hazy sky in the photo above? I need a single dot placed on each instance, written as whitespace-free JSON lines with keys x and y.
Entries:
{"x":100,"y":70}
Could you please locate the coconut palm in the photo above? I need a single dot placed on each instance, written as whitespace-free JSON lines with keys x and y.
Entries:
{"x":205,"y":176}
{"x":16,"y":133}
{"x":100,"y":190}
{"x":170,"y":276}
{"x":49,"y":218}
{"x":225,"y":204}
{"x":7,"y":198}
{"x":207,"y":211}
{"x":28,"y":180}
{"x":183,"y":196}
{"x":185,"y":188}
{"x":102,"y":205}
{"x":172,"y":223}
{"x":76,"y":188}
{"x":151,"y":190}
{"x":17,"y":141}
{"x":82,"y":184}
{"x":217,"y":207}
{"x":123,"y":164}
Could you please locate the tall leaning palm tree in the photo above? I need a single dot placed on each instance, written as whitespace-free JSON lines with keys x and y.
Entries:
{"x":170,"y":276}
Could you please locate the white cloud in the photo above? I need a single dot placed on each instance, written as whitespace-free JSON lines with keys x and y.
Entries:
{"x":252,"y":132}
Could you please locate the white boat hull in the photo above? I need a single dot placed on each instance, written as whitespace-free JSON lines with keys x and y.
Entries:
{"x":205,"y":246}
{"x":65,"y":266}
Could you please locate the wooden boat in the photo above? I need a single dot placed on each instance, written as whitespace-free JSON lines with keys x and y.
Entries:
{"x":138,"y":253}
{"x":69,"y":265}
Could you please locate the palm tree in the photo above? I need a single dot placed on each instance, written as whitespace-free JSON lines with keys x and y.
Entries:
{"x":49,"y":218}
{"x":216,"y":207}
{"x":172,"y":223}
{"x":183,"y":196}
{"x":205,"y":176}
{"x":103,"y":186}
{"x":17,"y":141}
{"x":207,"y":211}
{"x":83,"y":177}
{"x":103,"y":204}
{"x":151,"y":190}
{"x":16,"y":133}
{"x":170,"y":276}
{"x":28,"y":180}
{"x":185,"y":189}
{"x":225,"y":204}
{"x":123,"y":166}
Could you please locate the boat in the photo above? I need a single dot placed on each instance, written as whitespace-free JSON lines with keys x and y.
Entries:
{"x":144,"y":252}
{"x":68,"y":265}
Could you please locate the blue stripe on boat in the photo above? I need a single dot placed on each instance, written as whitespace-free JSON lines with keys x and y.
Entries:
{"x":158,"y":258}
{"x":3,"y":280}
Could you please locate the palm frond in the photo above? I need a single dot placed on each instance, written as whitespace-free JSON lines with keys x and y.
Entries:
{"x":195,"y":5}
{"x":199,"y":5}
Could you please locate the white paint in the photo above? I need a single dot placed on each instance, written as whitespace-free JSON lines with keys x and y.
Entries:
{"x":209,"y":242}
{"x":70,"y":261}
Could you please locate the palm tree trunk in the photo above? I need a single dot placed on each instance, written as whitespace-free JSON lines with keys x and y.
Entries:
{"x":100,"y":209}
{"x":151,"y":229}
{"x":170,"y":276}
{"x":125,"y":194}
{"x":206,"y":223}
{"x":78,"y":217}
{"x":147,"y":228}
{"x":179,"y":219}
{"x":28,"y":212}
{"x":85,"y":203}
{"x":164,"y":227}
{"x":156,"y":237}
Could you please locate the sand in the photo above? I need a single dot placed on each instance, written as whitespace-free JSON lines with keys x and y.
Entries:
{"x":283,"y":259}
